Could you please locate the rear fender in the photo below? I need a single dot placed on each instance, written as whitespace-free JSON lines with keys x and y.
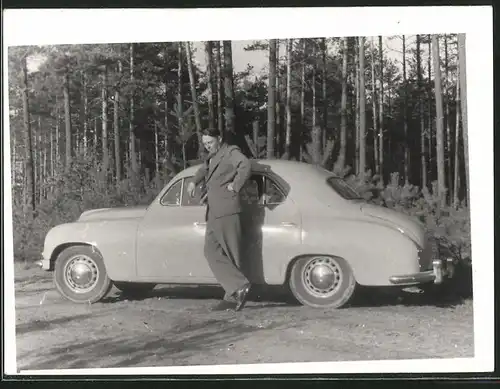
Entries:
{"x":374,"y":252}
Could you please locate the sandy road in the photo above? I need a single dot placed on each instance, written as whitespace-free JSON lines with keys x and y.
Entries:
{"x":173,"y":326}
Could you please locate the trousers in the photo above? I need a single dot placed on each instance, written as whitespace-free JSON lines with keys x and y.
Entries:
{"x":223,"y":251}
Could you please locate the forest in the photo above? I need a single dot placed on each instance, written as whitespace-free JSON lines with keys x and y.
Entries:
{"x":102,"y":125}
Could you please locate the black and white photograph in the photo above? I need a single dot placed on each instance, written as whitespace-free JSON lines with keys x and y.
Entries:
{"x":290,"y":198}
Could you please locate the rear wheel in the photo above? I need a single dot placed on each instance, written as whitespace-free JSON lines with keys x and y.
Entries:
{"x":80,"y":275}
{"x":322,"y":281}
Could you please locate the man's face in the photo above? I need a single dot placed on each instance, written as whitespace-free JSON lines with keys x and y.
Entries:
{"x":211,"y":143}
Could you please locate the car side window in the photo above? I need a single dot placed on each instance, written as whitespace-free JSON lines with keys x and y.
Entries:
{"x":273,"y":194}
{"x":187,"y":200}
{"x":252,"y":192}
{"x":173,"y":195}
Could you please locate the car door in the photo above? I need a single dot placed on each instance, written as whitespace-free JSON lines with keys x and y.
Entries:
{"x":281,"y":230}
{"x":171,"y":237}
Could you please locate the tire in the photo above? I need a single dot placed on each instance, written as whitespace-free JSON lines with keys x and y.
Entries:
{"x":90,"y":262}
{"x":134,"y":288}
{"x":334,"y":291}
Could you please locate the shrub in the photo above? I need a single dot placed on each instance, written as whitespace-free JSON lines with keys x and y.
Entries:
{"x":450,"y":226}
{"x":84,"y":187}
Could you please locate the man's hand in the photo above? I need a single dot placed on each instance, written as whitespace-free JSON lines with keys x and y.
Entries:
{"x":230,"y":187}
{"x":191,"y":188}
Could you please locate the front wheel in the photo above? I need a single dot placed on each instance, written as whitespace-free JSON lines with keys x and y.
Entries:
{"x":80,"y":275}
{"x":322,"y":281}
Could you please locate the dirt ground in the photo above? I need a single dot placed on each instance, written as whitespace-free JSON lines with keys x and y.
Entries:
{"x":174,"y":326}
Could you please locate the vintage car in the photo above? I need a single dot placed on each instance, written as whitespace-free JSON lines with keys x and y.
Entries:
{"x":304,"y":228}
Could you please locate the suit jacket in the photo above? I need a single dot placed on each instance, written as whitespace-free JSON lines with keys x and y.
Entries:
{"x":228,"y":165}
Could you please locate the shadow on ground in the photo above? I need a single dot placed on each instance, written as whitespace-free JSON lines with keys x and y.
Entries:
{"x":43,"y":325}
{"x":451,"y":294}
{"x":170,"y":347}
{"x":270,"y":295}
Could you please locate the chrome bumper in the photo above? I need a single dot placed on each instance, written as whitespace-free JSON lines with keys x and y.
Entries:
{"x":44,"y":264}
{"x":440,"y":270}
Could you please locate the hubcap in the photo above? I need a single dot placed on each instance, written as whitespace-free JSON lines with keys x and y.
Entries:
{"x":322,"y":276}
{"x":81,"y":274}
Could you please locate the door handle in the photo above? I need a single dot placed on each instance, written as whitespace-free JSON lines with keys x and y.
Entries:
{"x":288,"y":224}
{"x":199,"y":224}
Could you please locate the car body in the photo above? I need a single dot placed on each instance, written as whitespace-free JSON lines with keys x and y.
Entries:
{"x":303,"y":226}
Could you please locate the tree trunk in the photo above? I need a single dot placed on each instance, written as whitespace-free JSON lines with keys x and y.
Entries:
{"x":463,"y":104}
{"x":278,"y":128}
{"x":30,"y":173}
{"x":430,"y":148}
{"x":40,"y":160}
{"x":456,"y":179}
{"x":41,"y":148}
{"x":116,"y":124}
{"x":85,"y":115}
{"x":13,"y":160}
{"x":447,"y":119}
{"x":180,"y":108}
{"x":44,"y":164}
{"x":316,"y":129}
{"x":133,"y":153}
{"x":271,"y":99}
{"x":58,"y":146}
{"x":95,"y":137}
{"x":357,"y":116}
{"x":218,"y":65}
{"x":157,"y":153}
{"x":325,"y":101}
{"x":423,"y":157}
{"x":210,"y":83}
{"x":104,"y":135}
{"x":167,"y":135}
{"x":229,"y":90}
{"x":179,"y":86}
{"x":374,"y":109}
{"x":303,"y":97}
{"x":381,"y":112}
{"x":439,"y":122}
{"x":52,"y":150}
{"x":343,"y":109}
{"x":194,"y":97}
{"x":36,"y":161}
{"x":288,"y":108}
{"x":67,"y":121}
{"x":255,"y":131}
{"x":362,"y":112}
{"x":405,"y":118}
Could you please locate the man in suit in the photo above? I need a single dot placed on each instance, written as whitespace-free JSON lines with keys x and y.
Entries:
{"x":224,"y":173}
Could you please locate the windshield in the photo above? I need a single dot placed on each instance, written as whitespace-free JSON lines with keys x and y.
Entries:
{"x":342,"y":188}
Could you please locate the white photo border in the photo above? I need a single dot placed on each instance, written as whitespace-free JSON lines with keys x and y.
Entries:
{"x":70,"y":26}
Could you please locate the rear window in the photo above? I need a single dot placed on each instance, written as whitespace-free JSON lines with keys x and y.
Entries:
{"x":342,"y":188}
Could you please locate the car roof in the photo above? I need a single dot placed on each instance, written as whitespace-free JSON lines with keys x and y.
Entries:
{"x":303,"y":181}
{"x":289,"y":170}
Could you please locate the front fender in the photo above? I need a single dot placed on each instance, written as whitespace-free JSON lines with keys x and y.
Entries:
{"x":115,"y":240}
{"x":375,"y":252}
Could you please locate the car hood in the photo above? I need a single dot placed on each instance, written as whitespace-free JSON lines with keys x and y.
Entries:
{"x":404,"y":223}
{"x":113,"y":213}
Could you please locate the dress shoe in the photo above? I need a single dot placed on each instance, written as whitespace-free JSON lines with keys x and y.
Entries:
{"x":241,"y":297}
{"x":224,"y":305}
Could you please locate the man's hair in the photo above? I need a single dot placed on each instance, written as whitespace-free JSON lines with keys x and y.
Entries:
{"x":213,"y":132}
